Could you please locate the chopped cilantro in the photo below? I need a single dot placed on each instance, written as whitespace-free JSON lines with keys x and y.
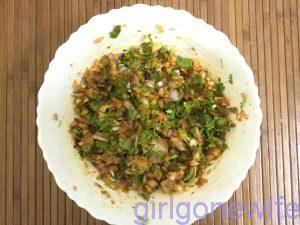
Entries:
{"x":101,"y":144}
{"x":94,"y":106}
{"x":85,"y":151}
{"x":163,"y":53}
{"x":105,"y":124}
{"x":190,"y":174}
{"x":244,"y":100}
{"x":233,"y":109}
{"x":184,"y":63}
{"x":198,"y":80}
{"x":126,"y":144}
{"x":136,"y":179}
{"x":219,"y":88}
{"x":155,"y":76}
{"x":221,"y":122}
{"x":132,"y":114}
{"x":230,"y":80}
{"x":115,"y":32}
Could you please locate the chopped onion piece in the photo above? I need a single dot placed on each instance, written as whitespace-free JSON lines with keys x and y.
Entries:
{"x":174,"y":96}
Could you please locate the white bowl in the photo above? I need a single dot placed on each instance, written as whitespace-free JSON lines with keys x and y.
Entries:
{"x":192,"y":37}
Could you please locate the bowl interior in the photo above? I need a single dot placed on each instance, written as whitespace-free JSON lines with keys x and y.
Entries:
{"x":190,"y":37}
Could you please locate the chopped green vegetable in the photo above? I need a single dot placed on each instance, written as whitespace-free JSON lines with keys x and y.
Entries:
{"x":219,"y":88}
{"x":190,"y":174}
{"x":115,"y":32}
{"x":199,"y":80}
{"x":101,"y":144}
{"x":155,"y":76}
{"x":233,"y":109}
{"x":163,"y":53}
{"x":132,"y":114}
{"x":184,"y":63}
{"x":230,"y":80}
{"x":104,"y":125}
{"x":244,"y":100}
{"x":136,"y":179}
{"x":221,"y":122}
{"x":126,"y":144}
{"x":85,"y":151}
{"x":94,"y":106}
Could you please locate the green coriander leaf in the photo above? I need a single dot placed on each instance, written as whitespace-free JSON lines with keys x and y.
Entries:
{"x":85,"y":152}
{"x":146,"y":196}
{"x":147,"y":48}
{"x":159,"y":155}
{"x":105,"y":61}
{"x":198,"y":80}
{"x":244,"y":99}
{"x":101,"y":144}
{"x":209,"y":95}
{"x":113,"y":143}
{"x":184,"y":63}
{"x":94,"y":106}
{"x":221,"y":122}
{"x":126,"y":144}
{"x":144,"y":137}
{"x":171,"y":114}
{"x":219,"y":88}
{"x":132,"y":114}
{"x":230,"y":79}
{"x":233,"y":109}
{"x":105,"y":125}
{"x":163,"y":53}
{"x":155,"y":77}
{"x":200,"y":150}
{"x":183,"y":135}
{"x":147,"y":89}
{"x":190,"y":174}
{"x":136,"y":179}
{"x":174,"y":74}
{"x":115,"y":32}
{"x":97,"y":96}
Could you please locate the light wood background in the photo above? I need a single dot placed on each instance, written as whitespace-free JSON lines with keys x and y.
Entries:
{"x":265,"y":31}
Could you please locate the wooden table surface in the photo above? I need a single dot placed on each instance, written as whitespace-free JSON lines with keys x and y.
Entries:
{"x":265,"y":31}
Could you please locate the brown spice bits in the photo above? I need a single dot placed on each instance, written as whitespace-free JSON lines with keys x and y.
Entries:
{"x":103,"y":191}
{"x":74,"y":188}
{"x":98,"y":40}
{"x":98,"y":185}
{"x":241,"y":115}
{"x":85,"y":165}
{"x":55,"y":117}
{"x":159,"y":28}
{"x":106,"y":193}
{"x":201,"y":181}
{"x":209,"y":171}
{"x":197,"y":65}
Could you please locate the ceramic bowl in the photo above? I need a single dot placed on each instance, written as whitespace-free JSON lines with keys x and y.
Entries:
{"x":190,"y":37}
